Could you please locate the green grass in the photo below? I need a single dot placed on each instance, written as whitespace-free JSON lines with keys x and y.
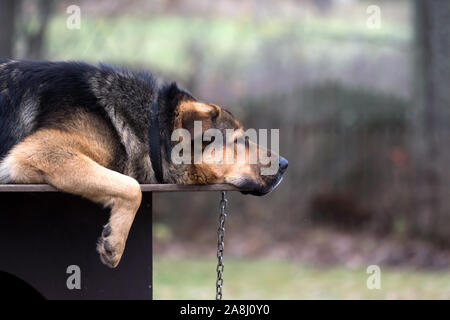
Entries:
{"x":267,"y":279}
{"x":166,"y":41}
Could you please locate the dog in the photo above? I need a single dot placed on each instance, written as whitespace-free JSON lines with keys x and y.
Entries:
{"x":100,"y":131}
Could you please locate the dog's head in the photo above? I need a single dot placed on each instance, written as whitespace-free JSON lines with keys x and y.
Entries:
{"x":209,"y":145}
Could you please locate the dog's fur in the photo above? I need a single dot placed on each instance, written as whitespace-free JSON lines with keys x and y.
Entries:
{"x":84,"y":130}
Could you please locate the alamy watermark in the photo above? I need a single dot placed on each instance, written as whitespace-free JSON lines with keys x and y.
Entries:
{"x":374,"y":280}
{"x":238,"y":147}
{"x":374,"y":19}
{"x":74,"y":280}
{"x":74,"y":19}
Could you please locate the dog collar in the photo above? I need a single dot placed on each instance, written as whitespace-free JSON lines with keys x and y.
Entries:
{"x":155,"y":143}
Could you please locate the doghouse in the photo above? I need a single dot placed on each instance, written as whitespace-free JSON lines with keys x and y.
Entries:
{"x":47,"y":236}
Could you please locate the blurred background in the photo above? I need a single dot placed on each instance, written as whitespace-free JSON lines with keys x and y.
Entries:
{"x":359,"y":91}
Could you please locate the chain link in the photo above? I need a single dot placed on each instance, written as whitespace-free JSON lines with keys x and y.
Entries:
{"x":221,"y":245}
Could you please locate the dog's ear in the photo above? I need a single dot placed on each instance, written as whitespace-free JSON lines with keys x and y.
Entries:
{"x":172,"y":95}
{"x":187,"y":110}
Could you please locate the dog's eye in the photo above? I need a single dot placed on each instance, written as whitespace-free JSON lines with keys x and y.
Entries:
{"x":246,"y":141}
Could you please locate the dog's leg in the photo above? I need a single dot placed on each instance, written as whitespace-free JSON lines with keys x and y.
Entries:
{"x":55,"y":157}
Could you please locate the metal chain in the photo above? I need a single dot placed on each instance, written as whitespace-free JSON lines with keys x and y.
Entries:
{"x":221,"y":245}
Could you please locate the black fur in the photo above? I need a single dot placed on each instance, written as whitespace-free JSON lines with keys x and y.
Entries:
{"x":35,"y":95}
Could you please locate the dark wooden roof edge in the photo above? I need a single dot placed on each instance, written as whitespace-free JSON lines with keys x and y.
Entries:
{"x":144,"y":188}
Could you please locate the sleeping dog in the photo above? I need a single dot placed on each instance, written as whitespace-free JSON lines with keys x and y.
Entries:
{"x":99,"y":131}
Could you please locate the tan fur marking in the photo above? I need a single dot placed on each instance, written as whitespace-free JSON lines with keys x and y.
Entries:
{"x":189,"y":111}
{"x":75,"y":161}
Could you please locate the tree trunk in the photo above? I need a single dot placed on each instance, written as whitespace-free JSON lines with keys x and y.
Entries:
{"x":431,"y":143}
{"x":7,"y":20}
{"x":35,"y":40}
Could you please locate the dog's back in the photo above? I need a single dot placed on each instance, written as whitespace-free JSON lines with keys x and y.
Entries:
{"x":11,"y":129}
{"x":31,"y":91}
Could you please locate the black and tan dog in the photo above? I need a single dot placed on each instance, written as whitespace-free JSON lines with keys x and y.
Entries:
{"x":99,"y":131}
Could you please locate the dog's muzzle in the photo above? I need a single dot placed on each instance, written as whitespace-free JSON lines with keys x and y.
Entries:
{"x":258,"y":190}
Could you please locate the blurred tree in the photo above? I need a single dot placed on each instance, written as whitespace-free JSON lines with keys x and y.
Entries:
{"x":324,"y":6}
{"x":34,"y":36}
{"x":7,"y":22}
{"x":432,"y":119}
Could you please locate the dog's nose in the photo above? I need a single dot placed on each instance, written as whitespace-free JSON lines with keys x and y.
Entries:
{"x":283,"y":164}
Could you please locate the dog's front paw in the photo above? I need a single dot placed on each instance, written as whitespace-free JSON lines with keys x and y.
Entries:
{"x":110,"y":247}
